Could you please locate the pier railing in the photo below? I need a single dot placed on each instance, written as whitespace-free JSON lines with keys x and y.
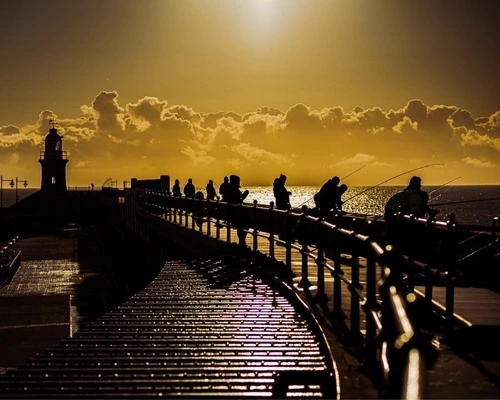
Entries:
{"x":10,"y":260}
{"x":393,"y":346}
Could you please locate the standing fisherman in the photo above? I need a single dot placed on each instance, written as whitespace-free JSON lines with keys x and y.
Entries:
{"x":176,"y":189}
{"x":223,"y":189}
{"x":189,"y":190}
{"x":281,"y":194}
{"x":211,"y":193}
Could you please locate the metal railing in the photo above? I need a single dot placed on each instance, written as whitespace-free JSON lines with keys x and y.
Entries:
{"x":10,"y":260}
{"x":391,"y":341}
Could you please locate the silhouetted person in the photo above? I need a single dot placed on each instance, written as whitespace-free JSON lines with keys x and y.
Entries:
{"x":234,"y":194}
{"x":237,"y":216}
{"x":189,"y":189}
{"x":411,"y":200}
{"x":224,"y":186}
{"x":176,"y":189}
{"x":328,"y":196}
{"x":211,"y":193}
{"x":337,"y":199}
{"x":281,"y":194}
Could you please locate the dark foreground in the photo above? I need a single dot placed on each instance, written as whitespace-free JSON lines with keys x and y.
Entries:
{"x":99,"y":277}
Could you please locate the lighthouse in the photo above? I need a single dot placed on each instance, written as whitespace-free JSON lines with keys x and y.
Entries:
{"x":53,"y":161}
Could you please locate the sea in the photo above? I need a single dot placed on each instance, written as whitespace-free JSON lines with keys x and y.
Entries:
{"x":475,"y":205}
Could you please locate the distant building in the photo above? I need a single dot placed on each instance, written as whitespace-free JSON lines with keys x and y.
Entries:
{"x":53,"y":160}
{"x":162,"y":183}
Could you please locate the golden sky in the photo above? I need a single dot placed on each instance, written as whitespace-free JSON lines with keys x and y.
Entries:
{"x":206,"y":88}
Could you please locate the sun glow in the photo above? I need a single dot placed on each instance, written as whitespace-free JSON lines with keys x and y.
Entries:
{"x":264,"y":18}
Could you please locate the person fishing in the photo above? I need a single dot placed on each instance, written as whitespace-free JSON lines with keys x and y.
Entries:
{"x":328,"y":196}
{"x":237,"y":215}
{"x":281,"y":194}
{"x":223,"y":188}
{"x":211,"y":193}
{"x":189,"y":189}
{"x":176,"y":189}
{"x":412,"y":199}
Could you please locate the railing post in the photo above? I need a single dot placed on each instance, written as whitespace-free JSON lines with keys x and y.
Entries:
{"x":217,"y":220}
{"x":255,"y":233}
{"x":271,"y":229}
{"x":337,"y":312}
{"x":193,"y":211}
{"x":355,"y":331}
{"x":176,"y":210}
{"x":413,"y":247}
{"x":209,"y":207}
{"x":449,"y":274}
{"x":371,"y":304}
{"x":231,"y":212}
{"x":288,"y":241}
{"x":321,"y":296}
{"x":428,"y":286}
{"x":169,"y":214}
{"x":450,"y":298}
{"x":304,"y":281}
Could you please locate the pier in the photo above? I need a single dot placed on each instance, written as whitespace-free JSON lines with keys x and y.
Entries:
{"x":339,"y":285}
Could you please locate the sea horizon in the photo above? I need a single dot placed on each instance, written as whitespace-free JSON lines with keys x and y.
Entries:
{"x":472,"y":204}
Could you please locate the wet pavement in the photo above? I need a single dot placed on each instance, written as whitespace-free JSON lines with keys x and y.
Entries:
{"x":64,"y":281}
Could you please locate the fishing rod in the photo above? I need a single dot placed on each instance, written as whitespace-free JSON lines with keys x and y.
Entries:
{"x":353,"y":172}
{"x":465,"y":201}
{"x":444,"y":184}
{"x":345,"y":177}
{"x":390,"y":179}
{"x":435,"y":198}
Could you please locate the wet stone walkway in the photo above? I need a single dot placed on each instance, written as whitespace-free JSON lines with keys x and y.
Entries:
{"x":203,"y":328}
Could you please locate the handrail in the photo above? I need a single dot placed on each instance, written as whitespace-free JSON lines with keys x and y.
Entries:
{"x":299,"y":231}
{"x":10,"y":260}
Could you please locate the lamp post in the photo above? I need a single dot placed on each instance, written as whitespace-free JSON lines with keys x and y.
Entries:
{"x":25,"y":183}
{"x":1,"y":188}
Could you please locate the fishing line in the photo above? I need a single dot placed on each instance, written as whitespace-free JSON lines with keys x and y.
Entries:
{"x":465,"y":201}
{"x":444,"y":184}
{"x":390,"y":179}
{"x":440,"y":187}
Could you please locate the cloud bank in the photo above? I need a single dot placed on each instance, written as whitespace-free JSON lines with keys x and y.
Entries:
{"x":152,"y":137}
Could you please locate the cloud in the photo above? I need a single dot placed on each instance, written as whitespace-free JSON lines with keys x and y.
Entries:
{"x":474,"y":138}
{"x":405,"y":126}
{"x":109,"y":112}
{"x":478,"y":163}
{"x":255,"y":155}
{"x":358,"y":158}
{"x":151,"y":136}
{"x":362,"y":158}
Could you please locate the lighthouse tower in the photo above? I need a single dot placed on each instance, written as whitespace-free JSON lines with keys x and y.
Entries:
{"x":53,"y":160}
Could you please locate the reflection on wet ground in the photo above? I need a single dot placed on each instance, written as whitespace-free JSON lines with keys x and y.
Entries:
{"x":64,"y":281}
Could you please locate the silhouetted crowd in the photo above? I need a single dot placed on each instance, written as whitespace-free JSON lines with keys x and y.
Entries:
{"x":327,"y":200}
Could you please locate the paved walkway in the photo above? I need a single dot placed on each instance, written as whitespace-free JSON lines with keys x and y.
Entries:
{"x":472,"y":375}
{"x":206,"y":328}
